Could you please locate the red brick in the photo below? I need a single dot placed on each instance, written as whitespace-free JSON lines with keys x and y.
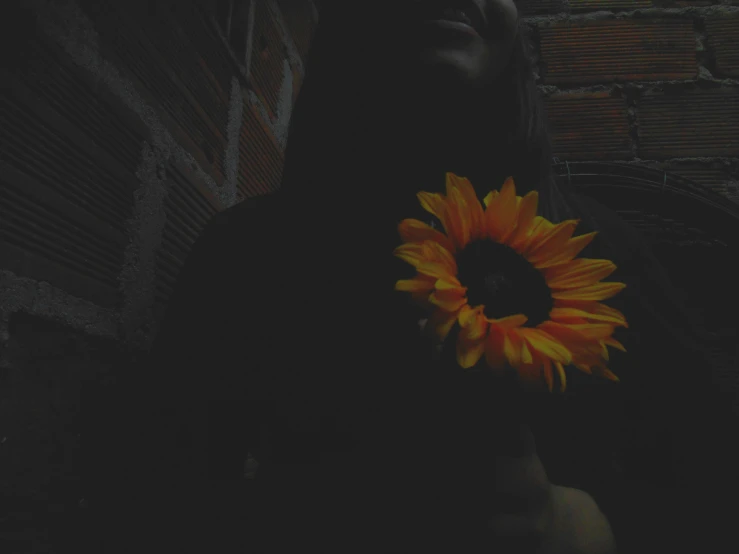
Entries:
{"x":267,"y":58}
{"x":618,"y":50}
{"x":588,"y":126}
{"x":722,"y":39}
{"x":611,"y":5}
{"x":260,"y":159}
{"x":538,"y":7}
{"x":691,"y":124}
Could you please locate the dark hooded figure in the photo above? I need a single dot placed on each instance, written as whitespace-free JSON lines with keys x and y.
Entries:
{"x":285,"y":337}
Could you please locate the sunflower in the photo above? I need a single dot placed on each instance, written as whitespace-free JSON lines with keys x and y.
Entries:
{"x":511,"y":281}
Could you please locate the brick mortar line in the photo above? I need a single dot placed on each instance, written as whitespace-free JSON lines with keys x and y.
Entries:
{"x":69,"y":27}
{"x":605,"y":15}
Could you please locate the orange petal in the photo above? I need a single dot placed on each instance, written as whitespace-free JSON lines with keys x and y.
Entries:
{"x":436,"y":205}
{"x":580,"y":272}
{"x":494,"y":349}
{"x":441,"y":322}
{"x":450,"y":283}
{"x":562,"y":376}
{"x":594,"y":331}
{"x":489,"y":197}
{"x":570,"y":338}
{"x":435,"y":252}
{"x":434,"y":269}
{"x":510,"y":321}
{"x":599,"y":291}
{"x":412,"y":253}
{"x":415,"y":285}
{"x":526,"y":214}
{"x":412,"y":230}
{"x":554,"y":242}
{"x":474,"y":207}
{"x":548,"y":376}
{"x":469,"y":352}
{"x":501,"y":214}
{"x":513,"y":347}
{"x":458,"y":206}
{"x":610,"y":341}
{"x":574,"y":315}
{"x":547,"y":345}
{"x":596,"y":310}
{"x":571,"y":249}
{"x":476,"y":328}
{"x":448,"y":301}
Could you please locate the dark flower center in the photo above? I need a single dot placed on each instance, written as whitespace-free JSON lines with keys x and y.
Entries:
{"x":504,"y":282}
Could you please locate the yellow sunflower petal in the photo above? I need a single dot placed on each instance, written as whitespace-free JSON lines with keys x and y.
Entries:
{"x":608,"y":374}
{"x":501,"y":212}
{"x":548,"y":376}
{"x":489,"y":197}
{"x":577,"y":343}
{"x":610,"y":341}
{"x":473,"y":205}
{"x":413,"y":253}
{"x":594,"y":331}
{"x":509,"y":322}
{"x":448,"y":301}
{"x":412,"y":230}
{"x":513,"y":347}
{"x":434,"y":269}
{"x":580,"y":272}
{"x":526,"y":214}
{"x":494,"y":348}
{"x":585,"y":368}
{"x":526,"y":356}
{"x":470,"y":352}
{"x":441,"y":323}
{"x":599,"y":291}
{"x":562,"y":376}
{"x":460,"y":217}
{"x":435,"y":252}
{"x":467,"y":315}
{"x":571,"y":249}
{"x":595,"y":310}
{"x":573,"y":315}
{"x":476,"y":329}
{"x":450,"y":283}
{"x":547,"y":345}
{"x":436,"y":205}
{"x":416,"y":284}
{"x":541,"y":252}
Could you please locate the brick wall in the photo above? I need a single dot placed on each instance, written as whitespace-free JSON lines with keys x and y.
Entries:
{"x":124,"y":127}
{"x":644,"y":82}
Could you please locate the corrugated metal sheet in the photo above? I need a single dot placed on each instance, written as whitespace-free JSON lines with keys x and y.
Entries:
{"x":723,"y":39}
{"x":189,"y":207}
{"x":124,"y":42}
{"x":214,"y":59}
{"x":261,"y":158}
{"x":298,"y":16}
{"x":617,"y":50}
{"x":116,"y":135}
{"x":691,"y":124}
{"x":610,"y":5}
{"x":267,"y":58}
{"x":60,"y":210}
{"x":588,"y":126}
{"x":712,"y":178}
{"x":538,"y":7}
{"x":166,"y":32}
